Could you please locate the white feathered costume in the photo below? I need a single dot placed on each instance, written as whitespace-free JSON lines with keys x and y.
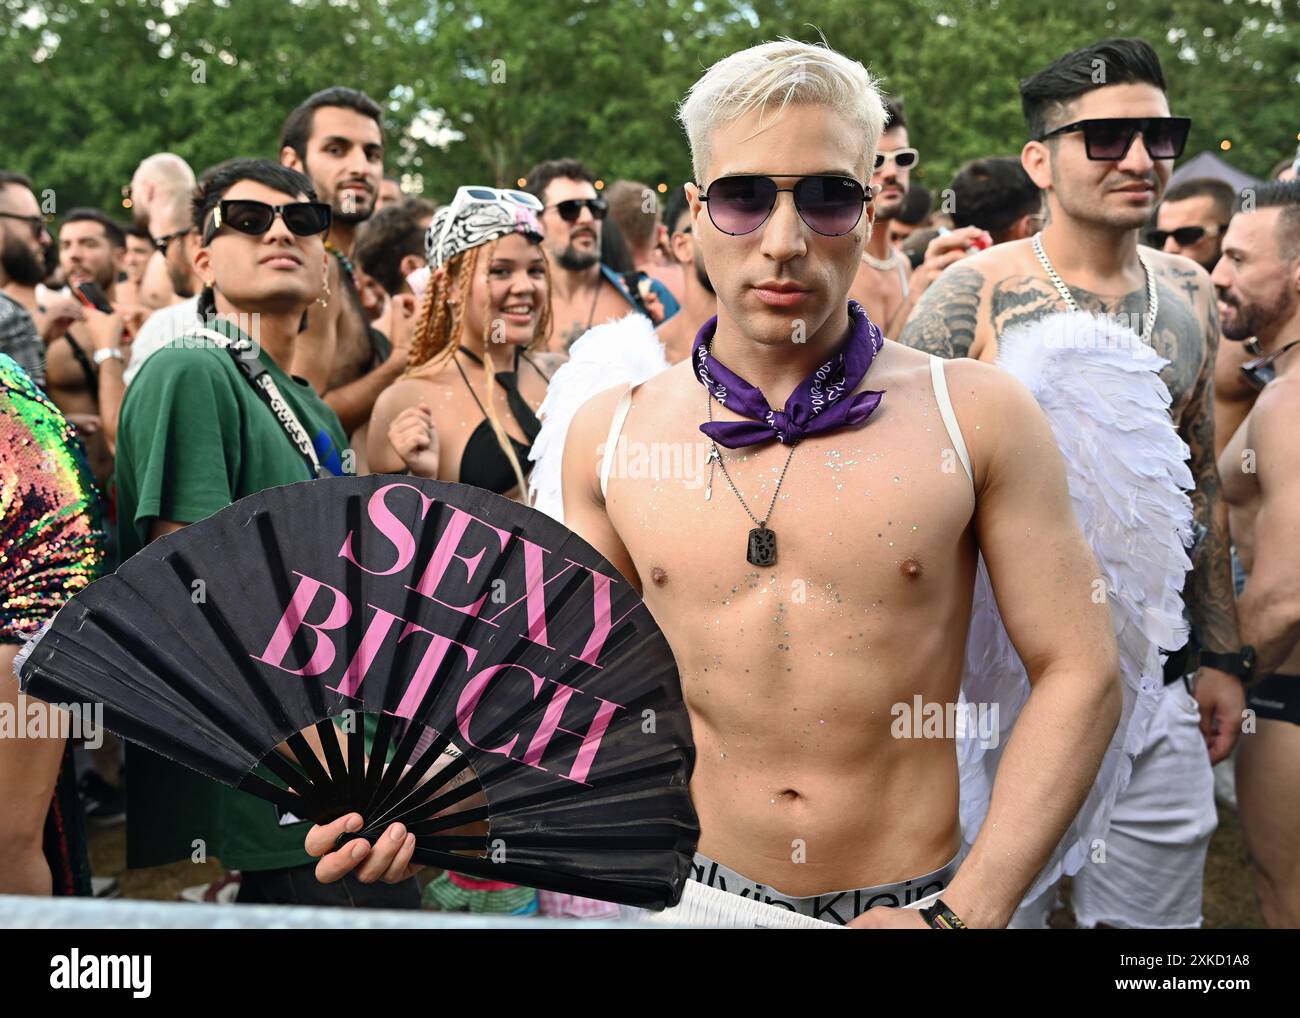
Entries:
{"x":1126,"y":468}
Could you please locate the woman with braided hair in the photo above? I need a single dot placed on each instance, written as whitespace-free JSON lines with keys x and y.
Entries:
{"x":466,"y":408}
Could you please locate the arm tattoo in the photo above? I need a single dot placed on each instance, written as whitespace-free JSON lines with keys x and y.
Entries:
{"x":1019,"y":300}
{"x":1211,"y":601}
{"x":943,"y":322}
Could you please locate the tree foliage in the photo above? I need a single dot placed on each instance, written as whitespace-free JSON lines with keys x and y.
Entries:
{"x":479,"y":90}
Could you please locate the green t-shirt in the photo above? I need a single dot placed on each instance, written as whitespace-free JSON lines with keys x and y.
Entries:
{"x":193,"y":437}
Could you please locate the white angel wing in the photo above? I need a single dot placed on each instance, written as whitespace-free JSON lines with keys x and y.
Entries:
{"x":1126,"y":467}
{"x":626,"y":351}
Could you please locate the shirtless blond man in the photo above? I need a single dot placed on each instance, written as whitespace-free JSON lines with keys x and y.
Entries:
{"x":790,"y":670}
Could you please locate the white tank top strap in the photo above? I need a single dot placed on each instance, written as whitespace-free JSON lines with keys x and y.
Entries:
{"x":615,"y":429}
{"x":949,"y":418}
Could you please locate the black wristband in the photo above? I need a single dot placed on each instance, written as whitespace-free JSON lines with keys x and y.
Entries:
{"x":1242,"y":664}
{"x":941,"y":917}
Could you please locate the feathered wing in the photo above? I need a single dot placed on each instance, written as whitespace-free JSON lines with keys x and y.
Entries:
{"x":1127,"y":472}
{"x":625,"y":351}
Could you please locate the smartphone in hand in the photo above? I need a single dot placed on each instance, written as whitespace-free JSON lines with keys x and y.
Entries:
{"x":93,"y":296}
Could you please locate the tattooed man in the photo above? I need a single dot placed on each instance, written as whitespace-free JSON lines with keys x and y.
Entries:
{"x":1103,"y":143}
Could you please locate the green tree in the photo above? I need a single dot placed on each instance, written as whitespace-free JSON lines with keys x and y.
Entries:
{"x":479,"y":90}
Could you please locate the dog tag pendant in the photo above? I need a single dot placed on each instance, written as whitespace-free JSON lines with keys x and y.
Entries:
{"x":762,"y":547}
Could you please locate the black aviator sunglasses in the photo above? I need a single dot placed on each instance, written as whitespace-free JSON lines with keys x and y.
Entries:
{"x":830,"y":205}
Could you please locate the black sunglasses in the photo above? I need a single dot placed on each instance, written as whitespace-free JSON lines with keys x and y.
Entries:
{"x":829,"y":205}
{"x":160,"y":243}
{"x":303,"y":218}
{"x":1260,"y":371}
{"x":1184,"y":235}
{"x":39,"y":224}
{"x":570,"y":210}
{"x":1108,"y":139}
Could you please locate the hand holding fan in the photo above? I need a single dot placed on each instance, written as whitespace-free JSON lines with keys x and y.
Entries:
{"x":529,"y":724}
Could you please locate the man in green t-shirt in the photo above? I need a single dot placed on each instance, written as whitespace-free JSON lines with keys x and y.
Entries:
{"x":196,"y":434}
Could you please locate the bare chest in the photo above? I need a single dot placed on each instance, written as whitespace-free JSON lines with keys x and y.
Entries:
{"x":866,"y":523}
{"x":1178,"y":335}
{"x":353,"y":352}
{"x":880,"y":291}
{"x":575,"y":315}
{"x":66,"y":376}
{"x":1238,"y":473}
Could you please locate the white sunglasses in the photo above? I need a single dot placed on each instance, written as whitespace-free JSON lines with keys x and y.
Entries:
{"x":479,"y":194}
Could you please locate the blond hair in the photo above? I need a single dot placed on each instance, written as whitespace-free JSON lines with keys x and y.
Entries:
{"x":780,"y":74}
{"x":441,"y":326}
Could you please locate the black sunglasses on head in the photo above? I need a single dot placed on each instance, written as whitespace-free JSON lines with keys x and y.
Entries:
{"x":1184,"y":235}
{"x":302,"y":218}
{"x":1108,"y":139}
{"x":830,"y":205}
{"x":570,"y":210}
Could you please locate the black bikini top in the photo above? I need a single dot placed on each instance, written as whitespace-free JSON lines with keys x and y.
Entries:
{"x":483,"y":464}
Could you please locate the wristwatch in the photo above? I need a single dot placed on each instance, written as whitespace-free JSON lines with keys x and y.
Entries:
{"x":1241,"y":664}
{"x":107,"y":353}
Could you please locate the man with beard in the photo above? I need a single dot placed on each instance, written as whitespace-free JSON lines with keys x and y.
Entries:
{"x":336,"y":139}
{"x":159,"y":182}
{"x":1258,"y":283}
{"x":584,"y":292}
{"x":1102,"y":153}
{"x":885,"y":285}
{"x":22,"y":228}
{"x":84,"y":366}
{"x":699,"y":301}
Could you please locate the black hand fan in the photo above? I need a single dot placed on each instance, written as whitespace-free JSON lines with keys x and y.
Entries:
{"x":527,"y":716}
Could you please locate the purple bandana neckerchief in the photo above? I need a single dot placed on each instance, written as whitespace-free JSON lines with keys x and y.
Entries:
{"x":821,"y":402}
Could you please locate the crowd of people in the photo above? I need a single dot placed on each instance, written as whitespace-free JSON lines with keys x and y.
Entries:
{"x":405,"y":336}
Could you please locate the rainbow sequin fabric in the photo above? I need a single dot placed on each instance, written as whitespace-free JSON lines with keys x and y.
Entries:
{"x":52,"y":539}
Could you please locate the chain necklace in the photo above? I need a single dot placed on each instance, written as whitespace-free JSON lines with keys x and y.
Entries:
{"x":1153,"y":298}
{"x":344,"y":260}
{"x":762,"y":541}
{"x":881,"y":264}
